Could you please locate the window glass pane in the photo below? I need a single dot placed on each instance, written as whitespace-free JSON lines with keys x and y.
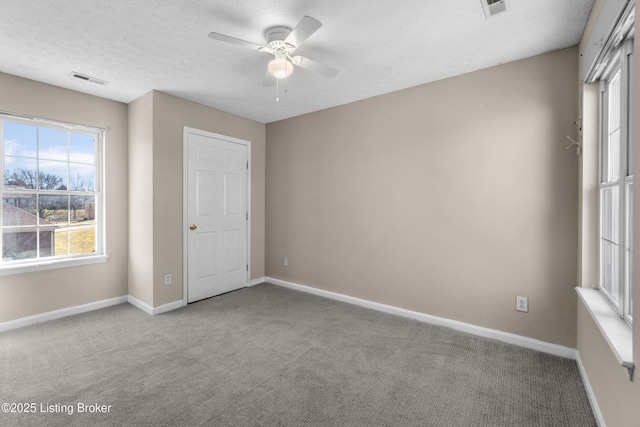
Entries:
{"x":629,"y":248}
{"x":614,"y":156}
{"x":47,"y":241}
{"x":631,"y":303}
{"x":61,"y":241}
{"x":19,"y":139}
{"x":82,"y":239}
{"x":52,"y":144}
{"x":20,"y":172}
{"x":614,"y":102}
{"x":52,"y":175}
{"x":19,"y":239}
{"x":19,"y":210}
{"x":81,"y":177}
{"x":82,"y":148}
{"x":19,"y":244}
{"x":610,"y":268}
{"x":609,"y":214}
{"x":83,"y":209}
{"x":610,"y":248}
{"x":631,"y":113}
{"x":611,"y":143}
{"x":53,"y":210}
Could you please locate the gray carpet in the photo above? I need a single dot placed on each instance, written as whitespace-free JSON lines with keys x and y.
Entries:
{"x":271,"y":356}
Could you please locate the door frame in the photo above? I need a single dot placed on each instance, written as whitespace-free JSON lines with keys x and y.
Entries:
{"x":186,"y":130}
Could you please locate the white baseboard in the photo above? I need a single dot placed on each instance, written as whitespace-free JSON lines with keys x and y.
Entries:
{"x":58,"y":314}
{"x":70,"y":311}
{"x":590,"y":393}
{"x":507,"y":337}
{"x":140,"y":304}
{"x":155,"y":310}
{"x":169,"y":307}
{"x":257,"y":281}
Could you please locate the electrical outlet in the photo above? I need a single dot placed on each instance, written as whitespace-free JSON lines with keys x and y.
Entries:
{"x":285,"y":262}
{"x":167,"y":279}
{"x":522,"y":304}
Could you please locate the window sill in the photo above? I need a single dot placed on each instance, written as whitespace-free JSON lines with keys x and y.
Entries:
{"x":617,"y":332}
{"x":51,"y":264}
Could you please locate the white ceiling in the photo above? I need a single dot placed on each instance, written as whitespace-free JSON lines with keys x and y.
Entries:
{"x":379,"y":46}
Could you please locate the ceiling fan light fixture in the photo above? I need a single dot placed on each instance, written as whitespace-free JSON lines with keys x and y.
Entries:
{"x":280,"y":68}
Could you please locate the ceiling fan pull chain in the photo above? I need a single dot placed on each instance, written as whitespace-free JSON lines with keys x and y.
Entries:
{"x":277,"y":90}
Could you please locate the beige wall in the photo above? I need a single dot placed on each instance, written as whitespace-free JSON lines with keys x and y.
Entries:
{"x":588,"y":188}
{"x":588,"y":168}
{"x":141,"y":199}
{"x":449,"y":198}
{"x":27,"y":294}
{"x":164,"y":208}
{"x":617,"y":397}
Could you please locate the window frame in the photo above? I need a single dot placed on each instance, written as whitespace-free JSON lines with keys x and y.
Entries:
{"x":622,"y":62}
{"x":61,"y":261}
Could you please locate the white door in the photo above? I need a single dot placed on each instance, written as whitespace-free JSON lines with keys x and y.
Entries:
{"x":216,"y":226}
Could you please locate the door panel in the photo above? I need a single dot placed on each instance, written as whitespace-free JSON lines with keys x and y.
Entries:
{"x":217,"y":232}
{"x":205,"y":190}
{"x":232,"y":194}
{"x":206,"y":244}
{"x":233,"y":253}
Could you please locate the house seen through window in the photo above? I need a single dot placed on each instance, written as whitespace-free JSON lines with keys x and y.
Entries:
{"x":51,"y":191}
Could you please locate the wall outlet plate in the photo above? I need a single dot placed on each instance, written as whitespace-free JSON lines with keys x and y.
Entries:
{"x":167,"y":279}
{"x":522,"y":304}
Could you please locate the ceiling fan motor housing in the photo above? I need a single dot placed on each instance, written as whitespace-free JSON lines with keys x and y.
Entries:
{"x":276,"y":44}
{"x":277,"y":33}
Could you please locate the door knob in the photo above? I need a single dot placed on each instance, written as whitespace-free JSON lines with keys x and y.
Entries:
{"x":193,"y":227}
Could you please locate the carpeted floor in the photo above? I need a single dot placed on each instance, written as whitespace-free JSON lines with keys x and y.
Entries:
{"x":266,"y":355}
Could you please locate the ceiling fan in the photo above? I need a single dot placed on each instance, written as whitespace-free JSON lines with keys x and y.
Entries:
{"x":282,"y":43}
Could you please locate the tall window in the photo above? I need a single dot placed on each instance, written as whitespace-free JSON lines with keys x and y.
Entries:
{"x":51,"y":192}
{"x":616,"y":183}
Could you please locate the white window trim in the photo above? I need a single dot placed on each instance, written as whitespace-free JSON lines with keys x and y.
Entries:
{"x":51,"y":264}
{"x":42,"y":264}
{"x":617,"y":332}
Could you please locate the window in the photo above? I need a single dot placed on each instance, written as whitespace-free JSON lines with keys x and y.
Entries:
{"x":51,"y":193}
{"x":616,"y":182}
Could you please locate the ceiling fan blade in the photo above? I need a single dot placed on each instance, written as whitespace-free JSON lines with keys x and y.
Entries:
{"x":303,"y":30}
{"x":269,"y":80}
{"x":233,"y":40}
{"x":316,"y":67}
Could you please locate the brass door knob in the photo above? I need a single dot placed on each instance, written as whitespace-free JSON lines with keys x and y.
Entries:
{"x":193,"y":227}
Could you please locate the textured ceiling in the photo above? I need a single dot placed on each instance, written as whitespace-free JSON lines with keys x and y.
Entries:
{"x":379,"y":46}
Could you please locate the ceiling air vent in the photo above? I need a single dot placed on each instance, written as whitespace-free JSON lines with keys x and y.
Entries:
{"x":87,"y":78}
{"x":494,"y":7}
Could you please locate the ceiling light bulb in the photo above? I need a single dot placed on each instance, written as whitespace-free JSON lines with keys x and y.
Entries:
{"x":280,"y":68}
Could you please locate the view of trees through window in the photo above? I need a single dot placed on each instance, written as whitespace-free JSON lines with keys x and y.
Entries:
{"x":49,"y":191}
